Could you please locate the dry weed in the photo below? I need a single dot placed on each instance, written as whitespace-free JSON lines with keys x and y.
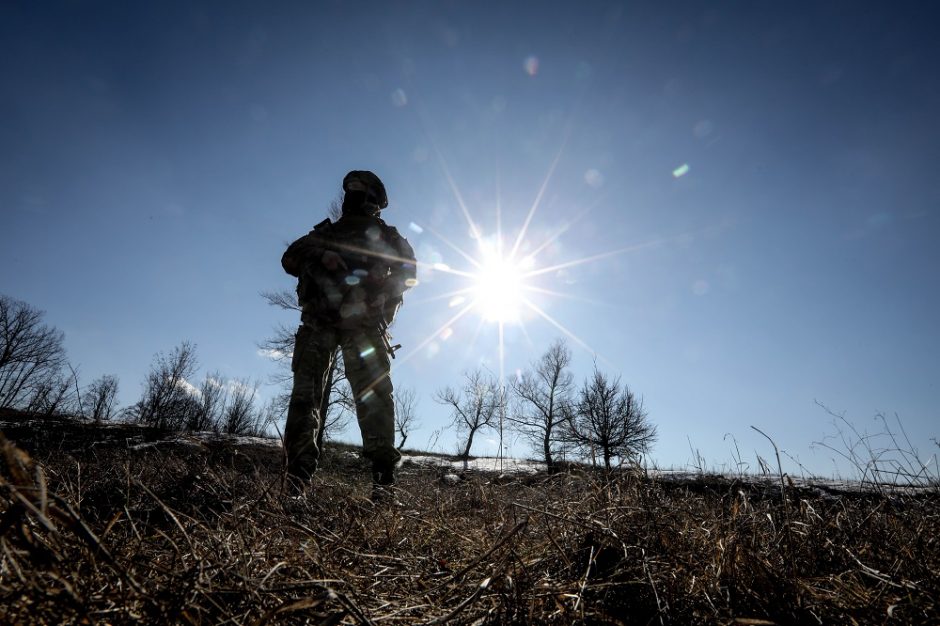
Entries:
{"x":210,"y":534}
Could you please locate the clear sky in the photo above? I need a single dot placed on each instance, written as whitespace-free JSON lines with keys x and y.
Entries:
{"x":763,"y":173}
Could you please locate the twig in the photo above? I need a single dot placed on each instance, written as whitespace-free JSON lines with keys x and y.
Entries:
{"x":649,"y":575}
{"x":78,"y":393}
{"x":584,"y":579}
{"x":278,"y":566}
{"x":493,"y":549}
{"x":169,"y":511}
{"x":783,"y":497}
{"x":463,"y":605}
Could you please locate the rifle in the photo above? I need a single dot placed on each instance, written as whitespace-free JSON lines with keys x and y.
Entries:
{"x":387,"y":339}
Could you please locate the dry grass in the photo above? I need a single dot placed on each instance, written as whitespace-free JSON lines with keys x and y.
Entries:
{"x":207,"y":534}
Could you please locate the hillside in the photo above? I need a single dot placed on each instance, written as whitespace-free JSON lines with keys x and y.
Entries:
{"x":122,"y":524}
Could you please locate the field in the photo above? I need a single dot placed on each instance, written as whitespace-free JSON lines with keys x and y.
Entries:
{"x":97,"y":528}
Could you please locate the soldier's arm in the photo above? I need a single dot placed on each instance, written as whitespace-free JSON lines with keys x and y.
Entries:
{"x":403,"y":275}
{"x":301,"y":252}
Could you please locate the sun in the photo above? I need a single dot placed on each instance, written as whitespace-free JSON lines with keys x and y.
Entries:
{"x":497,"y":289}
{"x":501,"y":285}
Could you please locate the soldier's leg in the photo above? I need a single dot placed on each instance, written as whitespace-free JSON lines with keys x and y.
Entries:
{"x":368,"y":371}
{"x":313,"y":357}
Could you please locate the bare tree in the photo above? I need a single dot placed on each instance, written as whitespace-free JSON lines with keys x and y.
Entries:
{"x":212,"y":399}
{"x":405,"y":419}
{"x":31,"y":358}
{"x":474,"y":407}
{"x":100,"y":396}
{"x":268,"y":417}
{"x":609,"y":420}
{"x":241,"y":416}
{"x":52,"y":394}
{"x":543,"y":396}
{"x":280,"y":346}
{"x":167,"y":400}
{"x":337,"y":406}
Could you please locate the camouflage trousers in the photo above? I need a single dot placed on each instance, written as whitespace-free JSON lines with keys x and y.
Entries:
{"x":367,"y":366}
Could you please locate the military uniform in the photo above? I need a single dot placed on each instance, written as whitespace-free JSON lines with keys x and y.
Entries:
{"x":347,"y":307}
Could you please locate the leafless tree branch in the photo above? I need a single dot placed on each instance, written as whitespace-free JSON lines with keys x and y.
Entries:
{"x":609,"y":420}
{"x":405,"y":418}
{"x":543,"y":396}
{"x":474,"y":407}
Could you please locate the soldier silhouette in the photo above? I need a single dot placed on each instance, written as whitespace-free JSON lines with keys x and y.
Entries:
{"x":351,"y":277}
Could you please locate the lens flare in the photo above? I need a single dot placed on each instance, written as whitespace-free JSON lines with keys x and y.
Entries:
{"x":399,"y":98}
{"x":594,"y":178}
{"x":498,"y":289}
{"x":531,"y":65}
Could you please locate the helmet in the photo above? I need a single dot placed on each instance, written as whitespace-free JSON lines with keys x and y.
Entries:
{"x":369,"y":183}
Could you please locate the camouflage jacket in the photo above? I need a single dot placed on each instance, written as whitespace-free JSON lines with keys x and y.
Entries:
{"x":380,"y":267}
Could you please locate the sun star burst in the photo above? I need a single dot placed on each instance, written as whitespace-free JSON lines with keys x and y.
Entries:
{"x":497,"y":289}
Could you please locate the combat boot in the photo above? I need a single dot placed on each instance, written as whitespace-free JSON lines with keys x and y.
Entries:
{"x":302,"y":472}
{"x":383,"y":484}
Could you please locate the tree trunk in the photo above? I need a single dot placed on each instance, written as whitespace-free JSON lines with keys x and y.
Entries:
{"x":547,"y":450}
{"x":325,"y":404}
{"x":466,"y":450}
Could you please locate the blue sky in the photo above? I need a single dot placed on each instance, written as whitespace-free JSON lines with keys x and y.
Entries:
{"x":765,"y":169}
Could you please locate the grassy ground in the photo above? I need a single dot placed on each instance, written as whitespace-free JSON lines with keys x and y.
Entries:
{"x":95,"y":530}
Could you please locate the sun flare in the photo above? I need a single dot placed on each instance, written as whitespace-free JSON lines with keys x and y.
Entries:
{"x":497,"y":289}
{"x":500,"y":286}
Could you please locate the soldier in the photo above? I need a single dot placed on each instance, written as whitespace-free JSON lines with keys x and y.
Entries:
{"x":352,"y":275}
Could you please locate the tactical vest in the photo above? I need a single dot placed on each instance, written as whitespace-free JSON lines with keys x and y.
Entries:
{"x":343,"y":297}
